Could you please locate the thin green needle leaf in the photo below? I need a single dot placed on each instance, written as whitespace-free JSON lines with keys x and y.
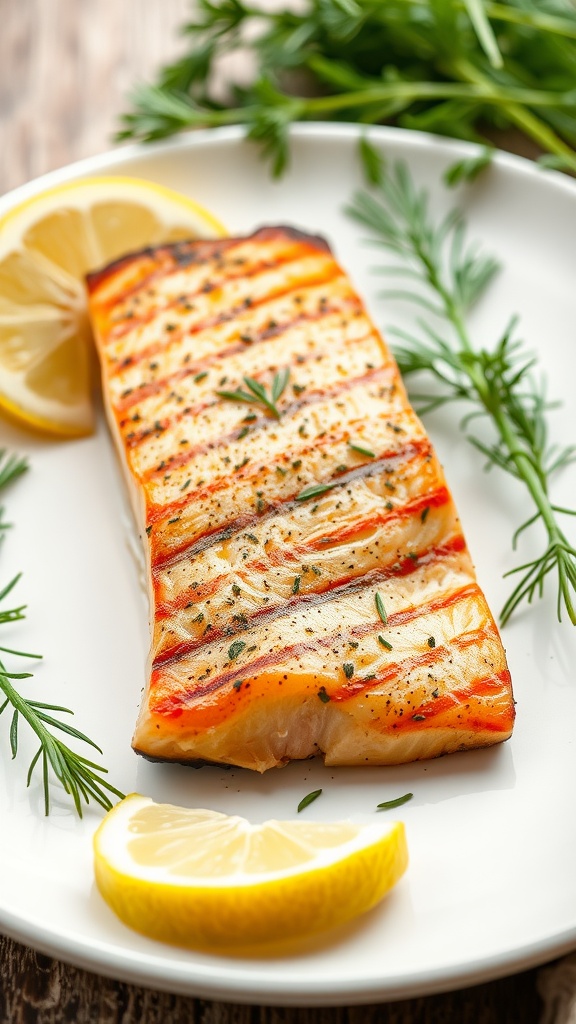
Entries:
{"x":372,"y":162}
{"x":14,"y":734}
{"x":279,"y":383}
{"x":68,"y":729}
{"x":256,"y":388}
{"x":49,"y":707}
{"x":20,"y":654}
{"x":468,"y":170}
{"x":10,"y":586}
{"x":308,"y":799}
{"x":362,"y":450}
{"x":257,"y":392}
{"x":381,"y":609}
{"x":483,"y":28}
{"x":387,"y":805}
{"x":236,"y":396}
{"x":46,"y":786}
{"x":11,"y":468}
{"x":33,"y":764}
{"x":314,"y":491}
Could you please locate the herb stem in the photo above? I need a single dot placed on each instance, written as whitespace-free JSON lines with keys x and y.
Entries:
{"x":453,"y":68}
{"x":531,"y":472}
{"x":541,"y":20}
{"x":80,"y":778}
{"x":497,"y":381}
{"x":533,"y":126}
{"x":476,"y":90}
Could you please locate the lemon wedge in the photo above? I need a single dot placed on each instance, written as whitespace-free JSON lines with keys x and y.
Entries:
{"x":203,"y":879}
{"x":47,"y":245}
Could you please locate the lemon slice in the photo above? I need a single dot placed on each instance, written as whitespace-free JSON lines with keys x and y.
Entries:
{"x":203,"y":879}
{"x":47,"y":245}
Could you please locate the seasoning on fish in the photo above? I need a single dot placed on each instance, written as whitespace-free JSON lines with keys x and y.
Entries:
{"x":310,"y":587}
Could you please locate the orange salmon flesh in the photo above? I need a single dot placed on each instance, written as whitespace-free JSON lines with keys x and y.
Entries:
{"x":311,"y":591}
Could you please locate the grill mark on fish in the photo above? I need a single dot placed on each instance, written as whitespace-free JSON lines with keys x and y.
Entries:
{"x":436,"y":499}
{"x":162,"y":510}
{"x":353,"y":687}
{"x":172,"y":258}
{"x":139,"y":394}
{"x":322,"y":594}
{"x":423,"y":715}
{"x":262,"y":423}
{"x":224,"y":531}
{"x":296,"y":650}
{"x":329,"y":274}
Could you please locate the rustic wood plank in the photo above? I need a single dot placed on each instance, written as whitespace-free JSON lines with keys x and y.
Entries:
{"x":37,"y":990}
{"x":65,"y":69}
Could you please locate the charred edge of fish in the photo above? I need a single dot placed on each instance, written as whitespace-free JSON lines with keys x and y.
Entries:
{"x":199,"y":249}
{"x":198,"y":762}
{"x":195,"y":250}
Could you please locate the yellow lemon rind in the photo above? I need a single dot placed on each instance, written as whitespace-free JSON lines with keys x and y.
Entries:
{"x":261,"y":914}
{"x":116,"y":181}
{"x":23,"y":417}
{"x":22,"y":403}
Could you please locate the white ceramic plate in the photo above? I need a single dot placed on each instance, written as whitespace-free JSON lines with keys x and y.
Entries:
{"x":491,"y":886}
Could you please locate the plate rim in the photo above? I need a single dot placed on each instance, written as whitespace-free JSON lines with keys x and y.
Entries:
{"x":311,"y":130}
{"x":121,"y":967}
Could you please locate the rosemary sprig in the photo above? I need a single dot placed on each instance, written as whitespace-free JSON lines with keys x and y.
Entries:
{"x":445,"y":276}
{"x":79,"y":777}
{"x":257,"y":392}
{"x":456,"y":67}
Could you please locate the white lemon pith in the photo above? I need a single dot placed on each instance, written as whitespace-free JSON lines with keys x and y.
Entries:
{"x":203,"y":879}
{"x":47,"y":245}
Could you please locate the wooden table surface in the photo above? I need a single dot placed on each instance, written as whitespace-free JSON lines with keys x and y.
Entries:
{"x":65,"y":69}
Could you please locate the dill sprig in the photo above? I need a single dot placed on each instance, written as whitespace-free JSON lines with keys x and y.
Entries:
{"x":257,"y":392}
{"x":445,"y":275}
{"x":452,"y":67}
{"x":79,"y":777}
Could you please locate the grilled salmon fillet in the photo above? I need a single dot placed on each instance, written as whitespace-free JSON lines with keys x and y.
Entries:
{"x":311,"y":590}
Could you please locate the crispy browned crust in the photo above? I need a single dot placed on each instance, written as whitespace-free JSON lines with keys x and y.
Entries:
{"x":194,"y":250}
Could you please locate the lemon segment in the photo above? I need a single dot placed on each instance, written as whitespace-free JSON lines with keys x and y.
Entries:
{"x":210,"y":881}
{"x":48,"y":244}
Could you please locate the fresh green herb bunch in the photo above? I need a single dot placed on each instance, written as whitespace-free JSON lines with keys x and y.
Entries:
{"x":80,"y":777}
{"x":444,"y":275}
{"x":453,"y":67}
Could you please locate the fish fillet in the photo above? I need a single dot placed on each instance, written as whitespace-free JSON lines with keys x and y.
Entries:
{"x":311,"y":590}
